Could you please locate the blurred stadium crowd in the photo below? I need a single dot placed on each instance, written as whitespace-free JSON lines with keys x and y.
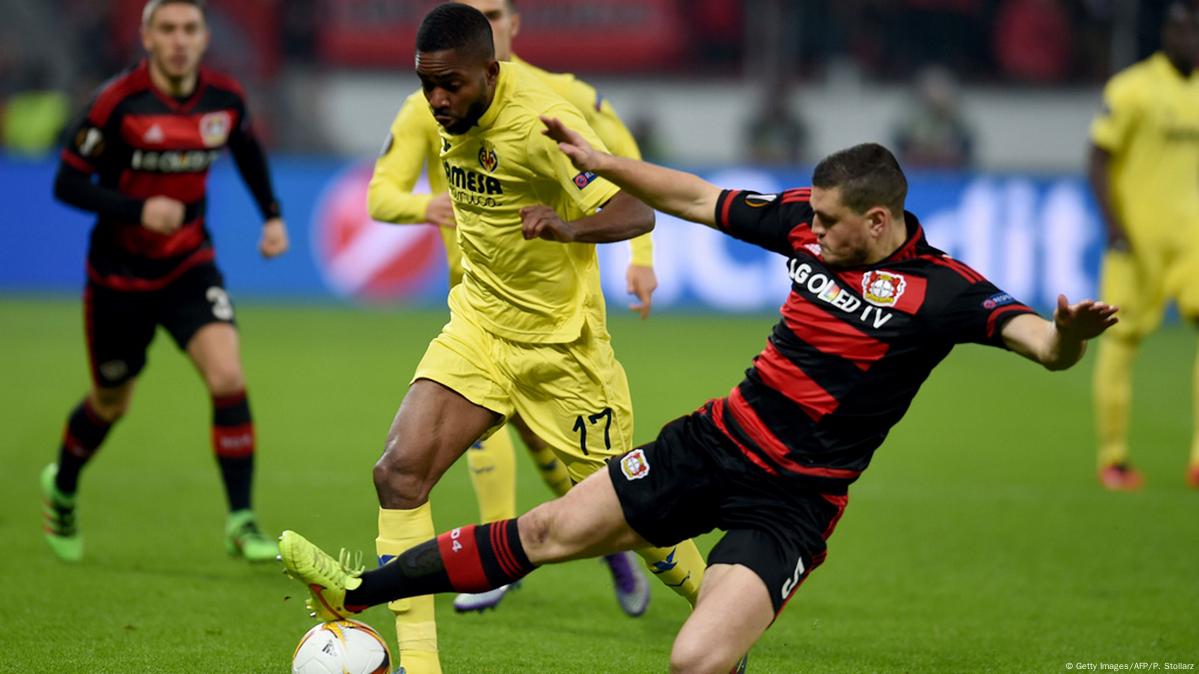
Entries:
{"x":54,"y":52}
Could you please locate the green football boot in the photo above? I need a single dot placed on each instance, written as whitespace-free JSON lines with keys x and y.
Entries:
{"x":58,"y":519}
{"x":327,"y":579}
{"x":244,"y":539}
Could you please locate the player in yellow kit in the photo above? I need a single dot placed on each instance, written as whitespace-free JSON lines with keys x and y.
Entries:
{"x":527,"y":337}
{"x":413,"y":144}
{"x":1144,"y":169}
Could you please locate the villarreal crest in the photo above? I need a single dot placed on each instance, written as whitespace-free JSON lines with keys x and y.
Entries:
{"x":488,"y":159}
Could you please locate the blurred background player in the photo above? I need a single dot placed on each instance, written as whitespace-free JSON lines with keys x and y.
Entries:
{"x":933,"y":134}
{"x":1144,"y":169}
{"x":527,"y":335}
{"x":150,"y":136}
{"x":414,"y":144}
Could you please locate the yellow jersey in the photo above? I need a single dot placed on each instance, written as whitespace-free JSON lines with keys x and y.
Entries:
{"x":1150,"y":125}
{"x":526,"y":291}
{"x":414,"y":143}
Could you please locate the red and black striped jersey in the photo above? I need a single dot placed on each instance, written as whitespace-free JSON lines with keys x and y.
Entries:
{"x":139,"y":142}
{"x":854,"y":343}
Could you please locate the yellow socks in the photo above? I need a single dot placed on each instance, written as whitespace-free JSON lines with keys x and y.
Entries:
{"x":416,"y":626}
{"x":553,"y":472}
{"x":681,"y":568}
{"x":1113,"y":398}
{"x":492,"y":464}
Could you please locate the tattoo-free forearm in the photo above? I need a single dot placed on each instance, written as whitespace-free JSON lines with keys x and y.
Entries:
{"x":1041,"y":341}
{"x":675,"y":192}
{"x":622,"y":218}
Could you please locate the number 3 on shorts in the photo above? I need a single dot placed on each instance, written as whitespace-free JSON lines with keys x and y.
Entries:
{"x":222,"y":308}
{"x":582,"y":421}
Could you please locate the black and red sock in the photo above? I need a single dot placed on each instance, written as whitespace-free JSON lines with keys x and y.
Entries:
{"x":474,"y":558}
{"x":81,"y":437}
{"x":233,"y":443}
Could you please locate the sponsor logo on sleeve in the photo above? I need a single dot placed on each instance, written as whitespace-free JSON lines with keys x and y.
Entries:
{"x":882,"y":288}
{"x":89,"y":142}
{"x":759,"y":200}
{"x":634,"y":466}
{"x":998,"y":300}
{"x":584,"y":179}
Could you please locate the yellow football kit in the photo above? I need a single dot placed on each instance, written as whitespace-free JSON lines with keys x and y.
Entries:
{"x":1150,"y":126}
{"x":527,"y":331}
{"x":527,"y":312}
{"x":414,"y":143}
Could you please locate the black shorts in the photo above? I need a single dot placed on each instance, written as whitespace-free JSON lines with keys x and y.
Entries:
{"x":691,"y":480}
{"x":120,"y":325}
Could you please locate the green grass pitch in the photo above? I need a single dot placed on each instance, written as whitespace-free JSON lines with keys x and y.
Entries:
{"x":978,"y":541}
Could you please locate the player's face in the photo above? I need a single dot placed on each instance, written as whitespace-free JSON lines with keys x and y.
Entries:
{"x":844,"y":235}
{"x":505,"y":24}
{"x":175,"y":38}
{"x":458,"y":87}
{"x":1180,"y":34}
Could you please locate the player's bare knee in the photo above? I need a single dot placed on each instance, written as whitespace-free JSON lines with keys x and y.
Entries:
{"x":401,"y":483}
{"x":689,"y":657}
{"x":111,"y":405}
{"x":224,"y":380}
{"x":692,"y":655}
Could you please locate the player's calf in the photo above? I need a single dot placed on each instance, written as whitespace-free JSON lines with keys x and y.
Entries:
{"x":586,"y":522}
{"x":704,"y":658}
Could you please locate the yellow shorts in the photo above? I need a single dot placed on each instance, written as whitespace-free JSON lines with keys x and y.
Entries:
{"x":1143,"y":281}
{"x":574,"y":396}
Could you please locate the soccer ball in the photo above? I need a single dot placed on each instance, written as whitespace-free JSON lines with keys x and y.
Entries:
{"x":341,"y":647}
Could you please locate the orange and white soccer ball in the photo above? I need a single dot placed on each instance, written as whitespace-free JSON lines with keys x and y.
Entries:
{"x":341,"y":647}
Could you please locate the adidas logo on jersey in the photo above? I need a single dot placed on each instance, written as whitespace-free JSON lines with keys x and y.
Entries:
{"x":154,"y":135}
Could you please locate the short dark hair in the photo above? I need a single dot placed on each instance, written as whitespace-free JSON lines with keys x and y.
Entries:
{"x":457,"y":27}
{"x":153,"y":5}
{"x":868,"y":176}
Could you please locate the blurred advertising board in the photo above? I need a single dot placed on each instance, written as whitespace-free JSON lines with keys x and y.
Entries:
{"x":246,"y":36}
{"x":1034,"y":235}
{"x":569,"y":35}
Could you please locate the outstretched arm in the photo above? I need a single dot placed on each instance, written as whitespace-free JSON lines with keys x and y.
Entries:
{"x":675,"y":192}
{"x":1060,"y":343}
{"x":623,"y":217}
